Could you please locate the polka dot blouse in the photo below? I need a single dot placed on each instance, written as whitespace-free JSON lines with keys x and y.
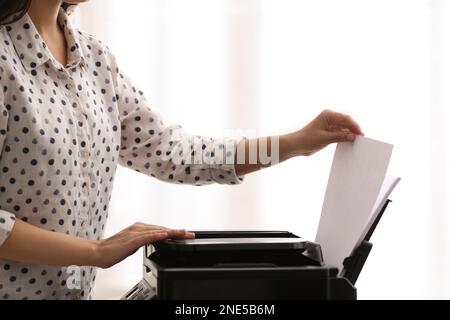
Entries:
{"x":63,"y":130}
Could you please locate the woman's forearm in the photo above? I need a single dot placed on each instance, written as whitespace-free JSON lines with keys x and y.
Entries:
{"x":31,"y":244}
{"x":246,"y":163}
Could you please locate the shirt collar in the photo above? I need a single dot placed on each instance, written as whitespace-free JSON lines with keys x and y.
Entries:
{"x":32,"y":49}
{"x":72,"y":35}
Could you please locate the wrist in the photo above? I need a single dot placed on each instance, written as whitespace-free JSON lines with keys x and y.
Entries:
{"x":298,"y":143}
{"x":94,"y":256}
{"x":287,"y":147}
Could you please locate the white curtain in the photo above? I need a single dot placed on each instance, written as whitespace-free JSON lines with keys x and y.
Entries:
{"x":268,"y":66}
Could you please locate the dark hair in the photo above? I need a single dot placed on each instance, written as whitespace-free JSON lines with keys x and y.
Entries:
{"x":13,"y":10}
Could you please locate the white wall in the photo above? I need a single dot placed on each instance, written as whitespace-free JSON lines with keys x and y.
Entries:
{"x":271,"y":66}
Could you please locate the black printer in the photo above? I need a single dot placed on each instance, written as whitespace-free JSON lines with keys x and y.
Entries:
{"x":230,"y":265}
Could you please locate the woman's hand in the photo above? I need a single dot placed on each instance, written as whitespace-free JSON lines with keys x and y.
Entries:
{"x":112,"y":250}
{"x":328,"y":127}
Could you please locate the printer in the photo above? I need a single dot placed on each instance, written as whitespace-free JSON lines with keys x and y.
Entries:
{"x":234,"y":265}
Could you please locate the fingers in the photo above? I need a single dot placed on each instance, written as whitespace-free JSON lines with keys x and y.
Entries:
{"x":340,"y":136}
{"x":190,"y":235}
{"x":141,"y":232}
{"x":335,"y":119}
{"x":144,"y":239}
{"x":181,"y":234}
{"x":139,"y":226}
{"x":151,"y":237}
{"x":172,"y":233}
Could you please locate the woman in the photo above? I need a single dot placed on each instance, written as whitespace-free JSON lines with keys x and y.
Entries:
{"x":68,"y":116}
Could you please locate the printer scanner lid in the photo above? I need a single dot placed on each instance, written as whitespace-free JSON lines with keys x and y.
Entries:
{"x":236,"y":240}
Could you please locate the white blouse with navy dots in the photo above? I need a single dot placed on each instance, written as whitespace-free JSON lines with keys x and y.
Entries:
{"x":63,"y":130}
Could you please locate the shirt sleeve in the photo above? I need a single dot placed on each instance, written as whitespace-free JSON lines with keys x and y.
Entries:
{"x":7,"y":219}
{"x":167,"y":152}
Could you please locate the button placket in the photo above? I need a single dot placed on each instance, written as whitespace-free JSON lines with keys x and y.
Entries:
{"x":83,"y":150}
{"x":85,"y":183}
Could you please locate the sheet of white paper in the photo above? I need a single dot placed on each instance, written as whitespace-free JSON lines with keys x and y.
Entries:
{"x":388,"y":186}
{"x":355,"y":180}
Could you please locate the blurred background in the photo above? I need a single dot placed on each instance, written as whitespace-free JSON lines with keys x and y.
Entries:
{"x":263,"y":67}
